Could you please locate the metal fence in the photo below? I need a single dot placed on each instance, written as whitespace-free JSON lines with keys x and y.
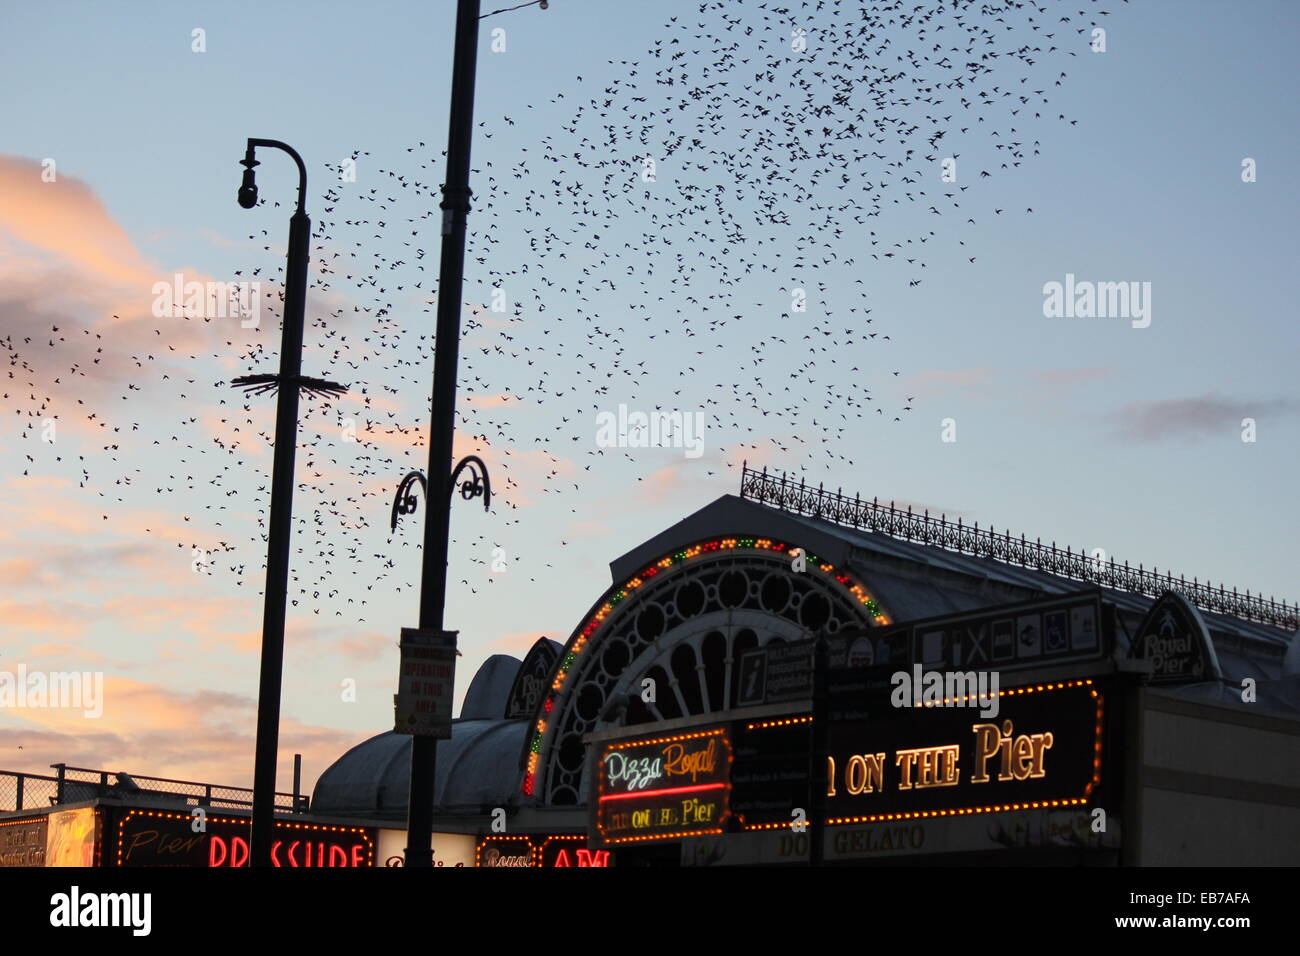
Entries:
{"x":797,"y":498}
{"x":30,"y":791}
{"x":26,"y":791}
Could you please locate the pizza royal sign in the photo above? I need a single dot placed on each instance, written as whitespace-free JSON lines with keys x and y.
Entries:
{"x":663,"y":788}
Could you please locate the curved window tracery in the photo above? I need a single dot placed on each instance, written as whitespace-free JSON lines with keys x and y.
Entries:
{"x":682,"y":624}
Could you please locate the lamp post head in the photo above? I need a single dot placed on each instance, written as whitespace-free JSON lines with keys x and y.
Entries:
{"x":248,"y":188}
{"x":248,"y":191}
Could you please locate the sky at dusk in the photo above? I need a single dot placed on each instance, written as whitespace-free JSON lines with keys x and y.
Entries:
{"x":1089,"y":432}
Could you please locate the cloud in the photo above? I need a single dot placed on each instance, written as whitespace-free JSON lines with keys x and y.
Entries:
{"x":984,"y":383}
{"x":939,"y":383}
{"x":215,"y":620}
{"x":205,"y":735}
{"x":1192,"y":418}
{"x":46,"y":618}
{"x":1075,"y":376}
{"x":66,"y":220}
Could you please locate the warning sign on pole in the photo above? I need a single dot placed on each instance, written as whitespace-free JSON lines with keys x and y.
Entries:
{"x":426,"y":685}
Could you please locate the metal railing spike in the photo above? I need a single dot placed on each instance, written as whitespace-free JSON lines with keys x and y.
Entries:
{"x":783,"y":494}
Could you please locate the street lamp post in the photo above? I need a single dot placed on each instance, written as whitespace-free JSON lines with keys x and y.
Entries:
{"x":437,"y":516}
{"x":286,"y":383}
{"x":440,"y":482}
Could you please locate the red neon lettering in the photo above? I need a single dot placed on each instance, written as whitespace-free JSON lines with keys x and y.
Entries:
{"x":216,"y":846}
{"x":662,"y":791}
{"x":341,"y":858}
{"x":357,"y":852}
{"x":563,"y":858}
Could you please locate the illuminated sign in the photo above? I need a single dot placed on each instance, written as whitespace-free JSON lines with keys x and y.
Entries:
{"x":1043,"y":750}
{"x":540,"y":850}
{"x":571,"y":851}
{"x":663,"y":788}
{"x":22,"y":842}
{"x":449,"y":849}
{"x":159,"y":838}
{"x":512,"y":851}
{"x":72,"y":837}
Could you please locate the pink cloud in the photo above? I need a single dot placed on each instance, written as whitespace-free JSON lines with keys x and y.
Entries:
{"x":65,"y":219}
{"x":937,"y":383}
{"x":149,"y":730}
{"x":46,"y":618}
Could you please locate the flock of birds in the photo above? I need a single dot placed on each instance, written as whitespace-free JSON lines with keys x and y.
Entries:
{"x":647,"y":250}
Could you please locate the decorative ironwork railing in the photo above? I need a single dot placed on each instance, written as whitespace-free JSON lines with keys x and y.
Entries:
{"x":30,"y":791}
{"x":798,"y":498}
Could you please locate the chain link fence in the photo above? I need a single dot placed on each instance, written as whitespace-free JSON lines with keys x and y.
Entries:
{"x":29,"y":791}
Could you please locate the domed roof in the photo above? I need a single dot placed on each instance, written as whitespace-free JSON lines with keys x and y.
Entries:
{"x":490,"y":688}
{"x":478,"y":766}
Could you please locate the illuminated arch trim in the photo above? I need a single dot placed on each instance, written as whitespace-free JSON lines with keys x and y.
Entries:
{"x":579,"y":642}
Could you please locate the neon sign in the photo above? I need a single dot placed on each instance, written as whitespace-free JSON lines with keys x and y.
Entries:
{"x":537,"y":851}
{"x":582,"y":640}
{"x":234,"y":852}
{"x":938,"y":762}
{"x":160,"y":838}
{"x":664,"y":788}
{"x":571,"y":851}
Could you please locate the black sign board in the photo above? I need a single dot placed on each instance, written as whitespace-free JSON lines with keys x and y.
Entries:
{"x":775,"y":674}
{"x":662,"y":788}
{"x":1174,"y":639}
{"x":1043,"y":745}
{"x":769,"y":775}
{"x":162,"y":838}
{"x":1069,"y":627}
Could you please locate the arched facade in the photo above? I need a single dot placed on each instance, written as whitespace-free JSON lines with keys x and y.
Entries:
{"x":683,"y":623}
